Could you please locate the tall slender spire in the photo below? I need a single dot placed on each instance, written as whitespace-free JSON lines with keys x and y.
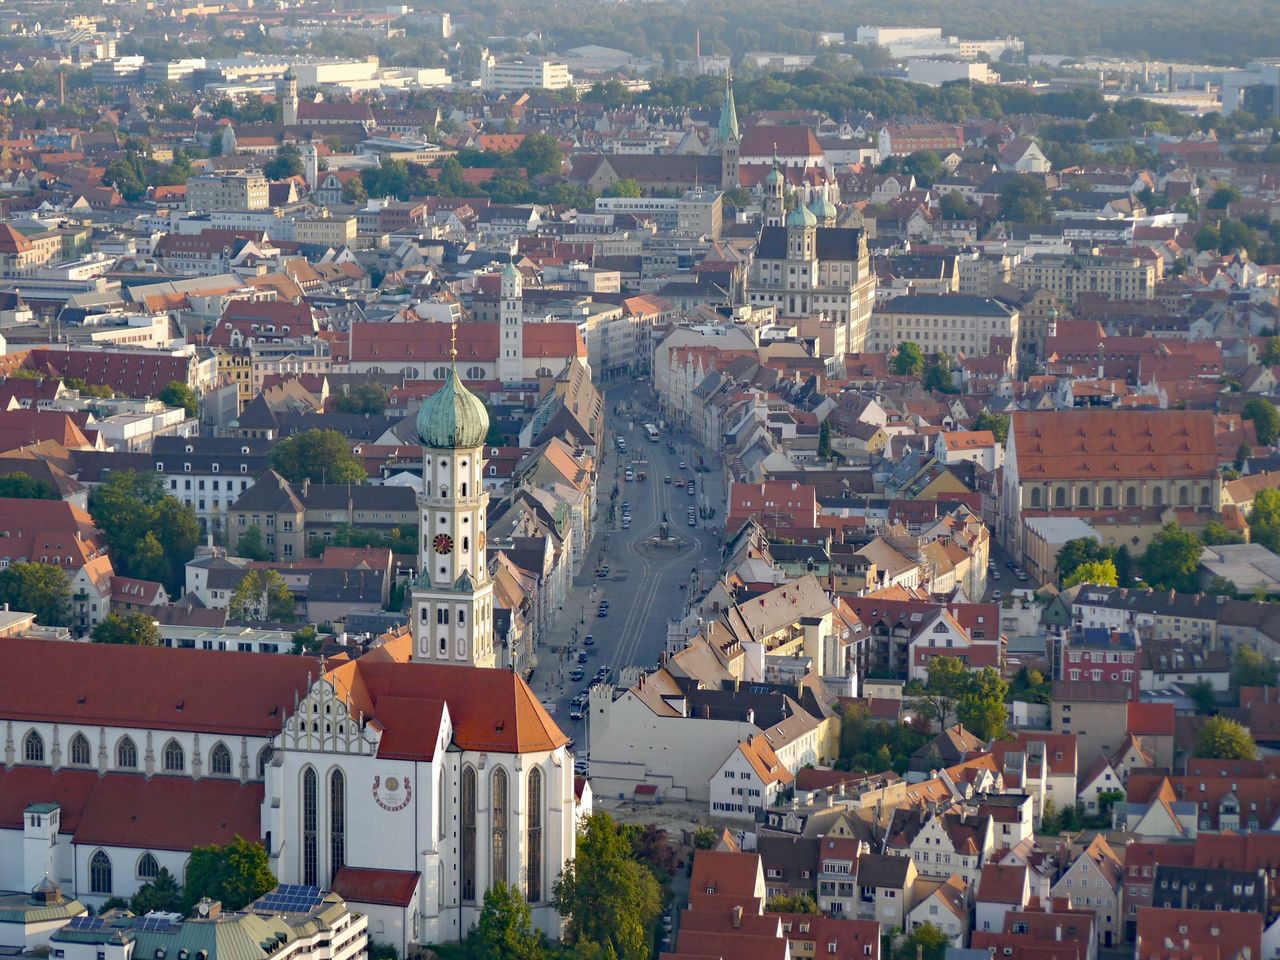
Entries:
{"x":453,"y":342}
{"x":728,"y":113}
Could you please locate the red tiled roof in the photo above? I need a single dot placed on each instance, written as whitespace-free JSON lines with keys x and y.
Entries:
{"x":362,"y":885}
{"x":1151,"y":719}
{"x":125,"y":686}
{"x":132,"y":373}
{"x":129,"y":810}
{"x":1093,"y":444}
{"x":490,"y":709}
{"x":1197,"y":933}
{"x":23,"y":427}
{"x":1000,"y":884}
{"x":424,"y":341}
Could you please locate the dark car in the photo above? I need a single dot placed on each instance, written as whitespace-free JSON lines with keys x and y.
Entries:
{"x":582,"y":658}
{"x":602,"y":612}
{"x":589,"y":640}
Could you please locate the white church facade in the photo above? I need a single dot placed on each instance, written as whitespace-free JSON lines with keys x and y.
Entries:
{"x":409,"y":780}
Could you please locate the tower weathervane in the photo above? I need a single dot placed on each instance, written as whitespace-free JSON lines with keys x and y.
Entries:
{"x":453,"y":340}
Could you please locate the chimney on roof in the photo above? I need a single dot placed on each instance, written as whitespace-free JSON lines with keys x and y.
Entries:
{"x":737,"y":915}
{"x":1057,"y":932}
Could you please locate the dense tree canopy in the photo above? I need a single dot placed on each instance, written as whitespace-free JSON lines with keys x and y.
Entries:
{"x":135,"y":629}
{"x":151,"y":535}
{"x":1171,"y":560}
{"x":1224,"y":739}
{"x":234,"y":873}
{"x":38,"y":588}
{"x":321,"y":456}
{"x":606,"y":896}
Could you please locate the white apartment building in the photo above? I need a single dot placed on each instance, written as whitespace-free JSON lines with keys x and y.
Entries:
{"x":1066,"y":277}
{"x":511,"y":75}
{"x":698,"y":213}
{"x":239,"y":191}
{"x":943,"y":323}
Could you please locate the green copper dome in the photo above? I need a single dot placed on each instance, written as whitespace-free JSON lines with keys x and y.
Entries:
{"x":823,"y":208}
{"x":801,"y":216}
{"x":453,"y":418}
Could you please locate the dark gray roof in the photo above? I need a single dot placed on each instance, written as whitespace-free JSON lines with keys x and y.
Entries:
{"x":832,"y":243}
{"x":878,"y":870}
{"x":949,"y":304}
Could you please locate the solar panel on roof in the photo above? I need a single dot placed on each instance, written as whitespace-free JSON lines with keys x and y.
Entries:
{"x":86,"y":923}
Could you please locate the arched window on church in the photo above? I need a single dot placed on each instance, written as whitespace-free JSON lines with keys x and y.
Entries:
{"x":81,"y":755}
{"x":468,"y":834}
{"x":1157,"y":496}
{"x":1107,"y":497}
{"x":337,"y":822}
{"x":148,"y":867}
{"x":264,"y":757}
{"x":1035,"y":496}
{"x":1131,"y":496}
{"x":533,"y":839}
{"x":442,"y":804}
{"x":309,"y":814}
{"x":1060,"y":497}
{"x":100,"y":872}
{"x":220,"y":761}
{"x":175,"y":758}
{"x":127,"y":754}
{"x":498,"y":804}
{"x":33,"y":748}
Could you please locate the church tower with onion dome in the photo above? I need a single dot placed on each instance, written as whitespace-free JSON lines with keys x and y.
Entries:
{"x":452,"y":595}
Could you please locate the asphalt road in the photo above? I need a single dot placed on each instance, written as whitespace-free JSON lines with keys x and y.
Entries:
{"x":647,"y":585}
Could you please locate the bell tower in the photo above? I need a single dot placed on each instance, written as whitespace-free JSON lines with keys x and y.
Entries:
{"x":511,"y":324}
{"x":730,"y":140}
{"x":453,"y":594}
{"x":289,"y":100}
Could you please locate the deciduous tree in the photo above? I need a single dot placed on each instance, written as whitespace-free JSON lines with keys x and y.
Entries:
{"x":908,"y":361}
{"x":38,"y":588}
{"x":134,"y":629}
{"x":1101,"y":573}
{"x":1224,"y":739}
{"x":504,"y":930}
{"x":1171,"y":560}
{"x":262,"y":596}
{"x":151,"y":535}
{"x":234,"y":873}
{"x":1253,"y":669}
{"x":605,"y":895}
{"x":322,"y":456}
{"x":1266,"y":419}
{"x":176,"y":394}
{"x":22,"y":486}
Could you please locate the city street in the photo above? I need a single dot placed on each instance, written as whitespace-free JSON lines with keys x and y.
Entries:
{"x":647,"y":585}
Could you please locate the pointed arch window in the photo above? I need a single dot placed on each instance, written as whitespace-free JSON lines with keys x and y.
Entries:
{"x":148,"y":867}
{"x":264,"y":757}
{"x":127,"y":754}
{"x":310,"y":802}
{"x":220,"y":761}
{"x":498,"y":804}
{"x":533,"y":839}
{"x":175,"y":758}
{"x":81,"y":755}
{"x":468,"y":834}
{"x":33,"y":748}
{"x":337,"y":822}
{"x":100,"y":872}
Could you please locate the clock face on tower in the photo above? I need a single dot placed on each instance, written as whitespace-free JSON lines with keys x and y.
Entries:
{"x":442,"y":544}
